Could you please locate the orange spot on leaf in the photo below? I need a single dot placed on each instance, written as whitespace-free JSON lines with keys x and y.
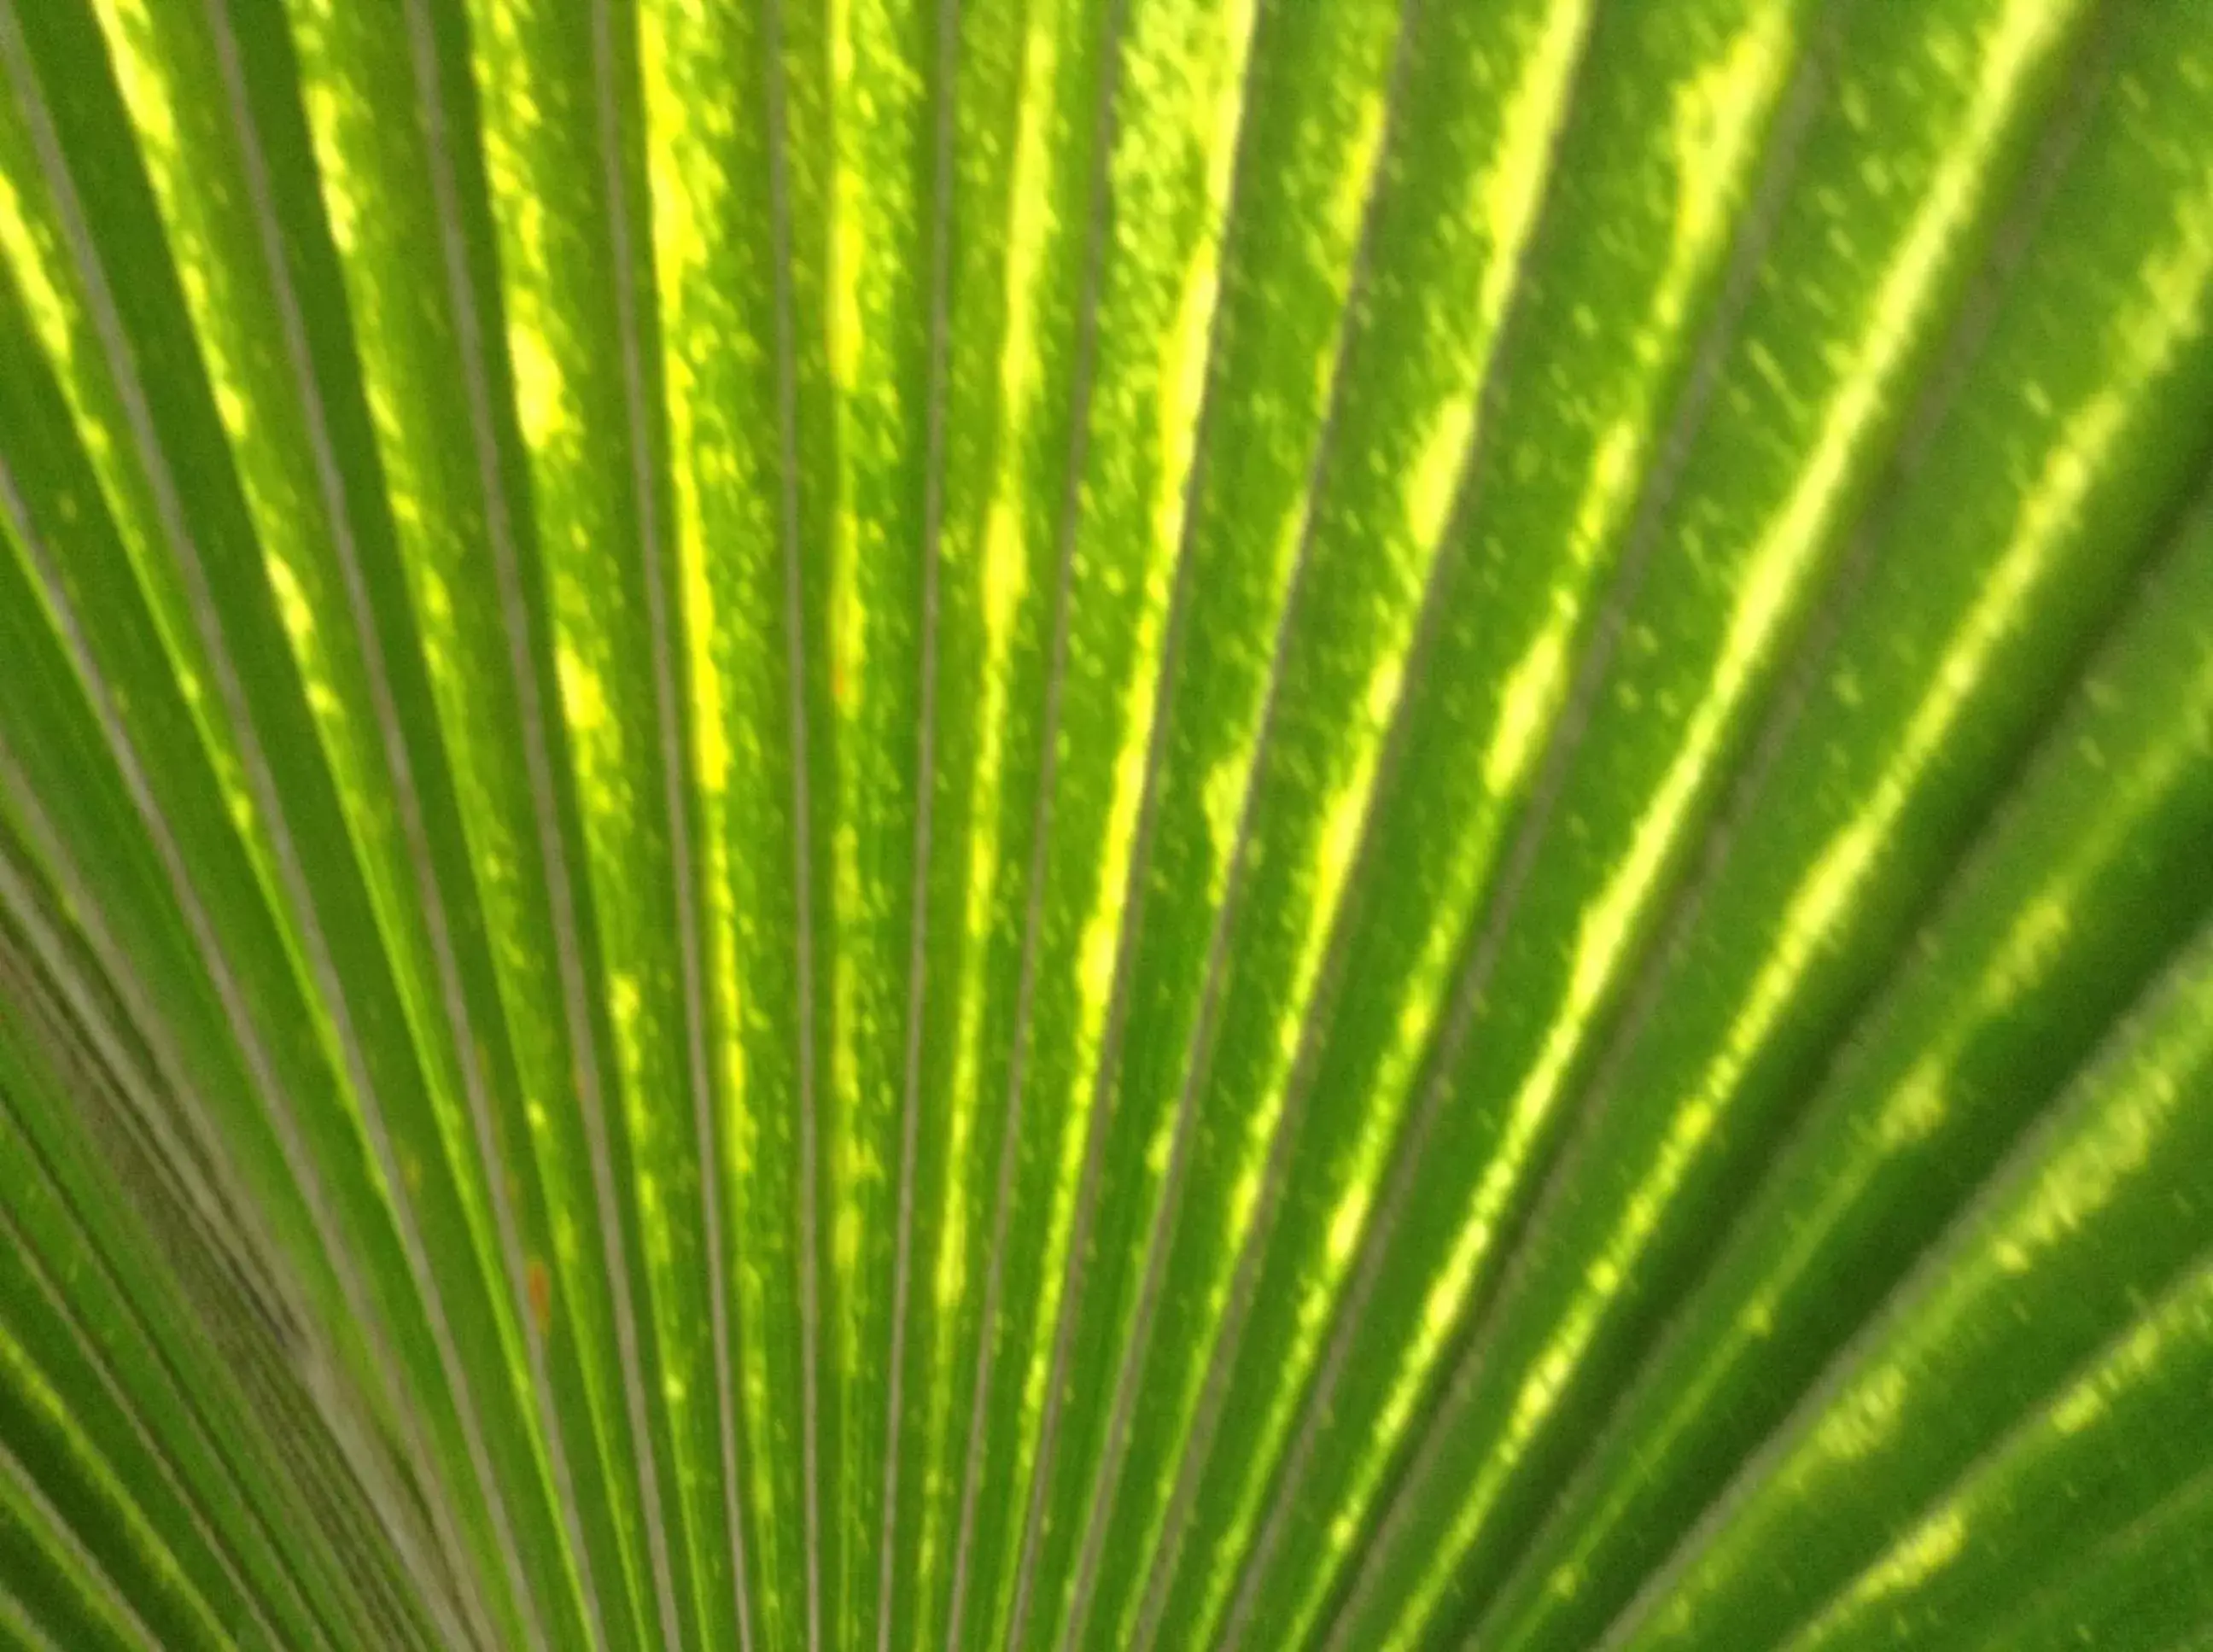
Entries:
{"x":540,"y":1284}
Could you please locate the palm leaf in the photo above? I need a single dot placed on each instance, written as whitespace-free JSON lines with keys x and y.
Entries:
{"x":1070,"y":824}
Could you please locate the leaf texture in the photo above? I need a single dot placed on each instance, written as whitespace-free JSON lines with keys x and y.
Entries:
{"x":1093,"y":823}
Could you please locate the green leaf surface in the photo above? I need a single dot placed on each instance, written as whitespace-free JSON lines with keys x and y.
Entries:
{"x":1076,"y":823}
